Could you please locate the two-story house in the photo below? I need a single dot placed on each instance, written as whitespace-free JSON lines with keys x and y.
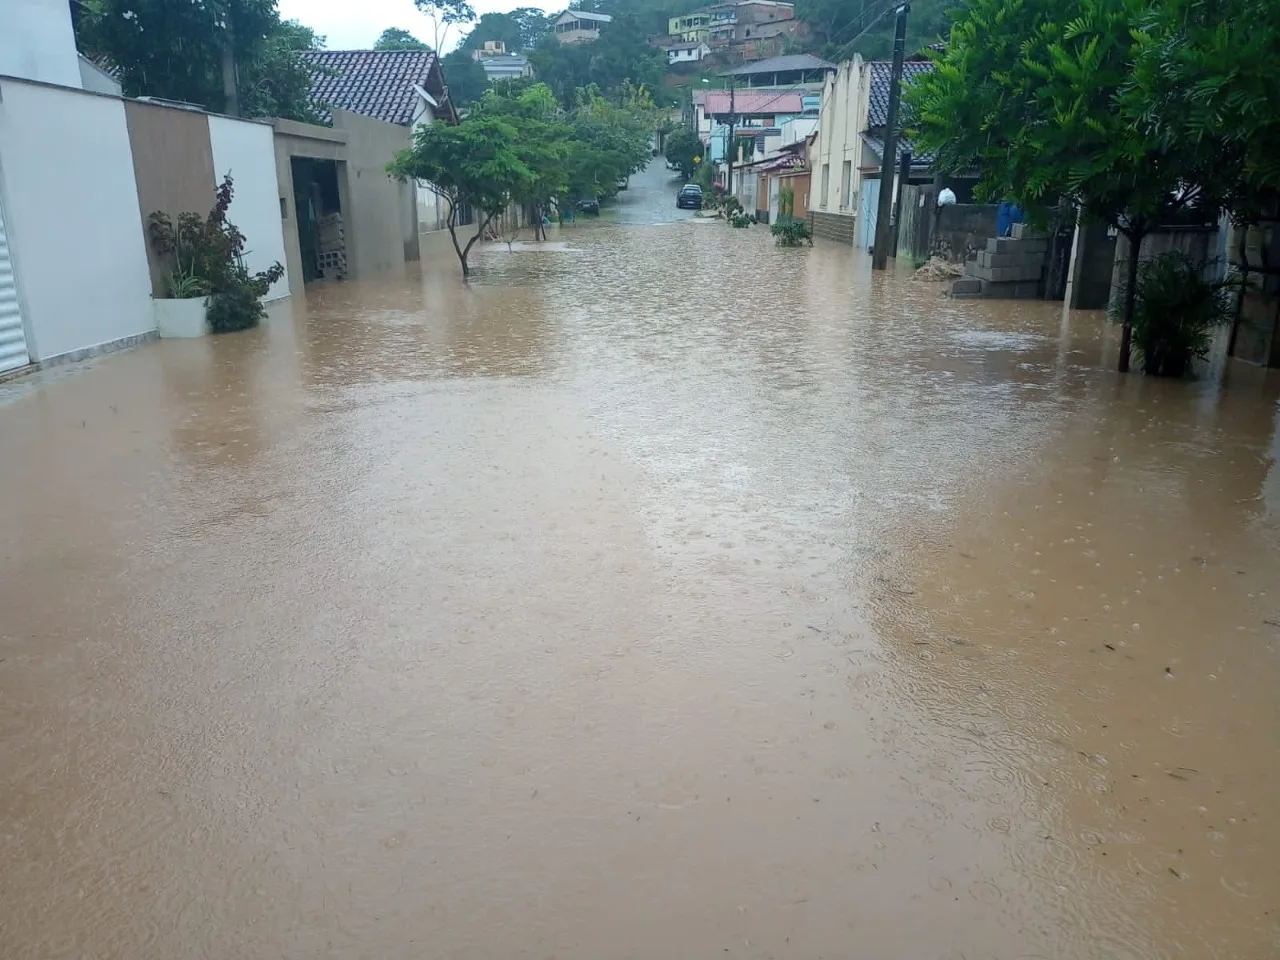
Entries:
{"x":579,"y":26}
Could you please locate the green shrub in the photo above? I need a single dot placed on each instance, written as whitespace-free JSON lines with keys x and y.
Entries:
{"x":741,"y":220}
{"x":790,"y":232}
{"x":234,"y":310}
{"x":1176,"y":313}
{"x":207,"y":258}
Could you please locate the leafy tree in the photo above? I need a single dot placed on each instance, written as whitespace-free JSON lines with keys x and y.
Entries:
{"x":464,"y":77}
{"x":275,"y":84}
{"x":445,"y":15}
{"x":622,"y":53}
{"x":685,"y":149}
{"x":393,"y":38}
{"x":609,"y":141}
{"x":510,"y":149}
{"x":1204,"y":80}
{"x":544,"y":140}
{"x":520,"y":29}
{"x":1029,"y":93}
{"x":177,"y":49}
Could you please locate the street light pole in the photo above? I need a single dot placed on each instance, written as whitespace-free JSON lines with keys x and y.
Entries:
{"x":880,"y":258}
{"x":733,"y":146}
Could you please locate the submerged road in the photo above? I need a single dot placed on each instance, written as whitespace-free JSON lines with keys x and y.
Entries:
{"x":661,"y":594}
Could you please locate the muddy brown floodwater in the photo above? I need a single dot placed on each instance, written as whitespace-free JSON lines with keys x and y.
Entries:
{"x":663,"y":595}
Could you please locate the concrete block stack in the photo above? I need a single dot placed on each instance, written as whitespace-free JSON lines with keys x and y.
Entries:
{"x":1009,"y":268}
{"x":331,"y":241}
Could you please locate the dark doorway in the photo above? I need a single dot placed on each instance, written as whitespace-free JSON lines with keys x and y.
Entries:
{"x":316,"y":199}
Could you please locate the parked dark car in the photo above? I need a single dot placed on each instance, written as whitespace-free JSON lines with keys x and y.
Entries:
{"x":690,"y":196}
{"x":589,"y":205}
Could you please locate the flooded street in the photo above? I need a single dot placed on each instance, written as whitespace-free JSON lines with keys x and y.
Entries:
{"x":665,"y":594}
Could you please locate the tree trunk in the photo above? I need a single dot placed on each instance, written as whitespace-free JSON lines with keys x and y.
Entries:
{"x":451,"y":223}
{"x":1130,"y":298}
{"x":465,"y":252}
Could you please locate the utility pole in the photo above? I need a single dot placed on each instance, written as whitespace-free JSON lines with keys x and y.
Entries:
{"x":880,"y":258}
{"x":230,"y":95}
{"x":733,"y":143}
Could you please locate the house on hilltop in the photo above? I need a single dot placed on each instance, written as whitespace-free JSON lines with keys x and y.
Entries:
{"x":579,"y":26}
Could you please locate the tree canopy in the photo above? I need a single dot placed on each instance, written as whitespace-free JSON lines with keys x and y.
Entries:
{"x":174,"y":49}
{"x":520,"y":29}
{"x":685,"y":149}
{"x":393,"y":38}
{"x":1204,"y":82}
{"x":511,"y":147}
{"x":621,"y":54}
{"x":465,"y":78}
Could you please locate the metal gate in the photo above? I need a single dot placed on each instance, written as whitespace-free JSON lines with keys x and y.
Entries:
{"x":13,"y":342}
{"x":868,"y":207}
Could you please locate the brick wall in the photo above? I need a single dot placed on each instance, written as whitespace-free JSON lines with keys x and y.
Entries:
{"x":833,"y":226}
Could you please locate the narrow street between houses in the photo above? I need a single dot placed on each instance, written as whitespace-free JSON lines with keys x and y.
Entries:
{"x":662,"y":594}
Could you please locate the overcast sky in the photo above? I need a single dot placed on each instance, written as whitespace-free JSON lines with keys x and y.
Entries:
{"x":355,"y":24}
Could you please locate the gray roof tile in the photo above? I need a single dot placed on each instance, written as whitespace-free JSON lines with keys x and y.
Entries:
{"x":878,"y":94}
{"x":373,"y":83}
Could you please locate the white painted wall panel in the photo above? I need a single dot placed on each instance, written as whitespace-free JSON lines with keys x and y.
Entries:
{"x":247,"y":151}
{"x":36,"y":41}
{"x":79,"y":255}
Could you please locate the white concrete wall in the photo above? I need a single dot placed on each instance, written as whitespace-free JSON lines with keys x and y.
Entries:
{"x":246,"y":150}
{"x":79,"y":254}
{"x":36,"y":41}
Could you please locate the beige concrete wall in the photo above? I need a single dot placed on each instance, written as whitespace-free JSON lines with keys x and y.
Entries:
{"x":173,"y":167}
{"x":377,"y":210}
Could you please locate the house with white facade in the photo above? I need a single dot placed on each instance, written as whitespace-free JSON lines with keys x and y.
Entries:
{"x":679,"y":53}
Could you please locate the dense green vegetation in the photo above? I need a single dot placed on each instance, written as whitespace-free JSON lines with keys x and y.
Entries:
{"x":465,"y":78}
{"x":621,"y":55}
{"x":518,"y":30}
{"x":1176,"y":313}
{"x":179,"y":49}
{"x":1134,"y":112}
{"x":685,"y":149}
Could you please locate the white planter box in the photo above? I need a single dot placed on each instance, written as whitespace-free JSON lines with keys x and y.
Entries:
{"x":180,"y":318}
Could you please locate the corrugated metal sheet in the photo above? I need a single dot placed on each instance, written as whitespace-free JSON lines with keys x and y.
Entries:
{"x":13,"y":342}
